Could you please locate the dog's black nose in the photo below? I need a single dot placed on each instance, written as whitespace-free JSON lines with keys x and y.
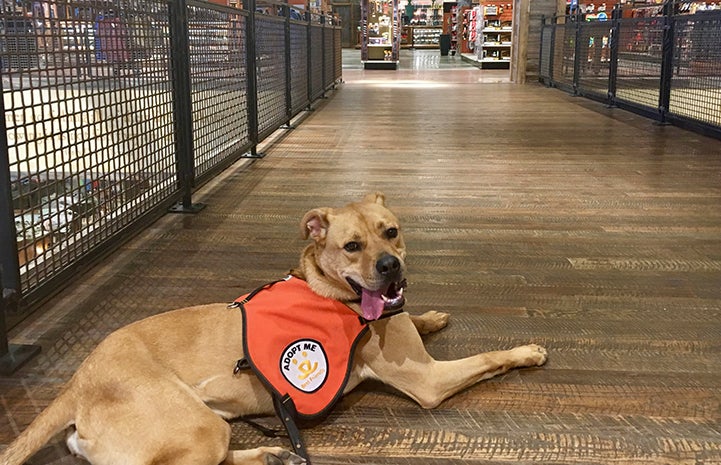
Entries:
{"x":388,"y":266}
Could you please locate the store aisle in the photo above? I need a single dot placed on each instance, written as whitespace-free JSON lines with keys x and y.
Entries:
{"x":529,"y":216}
{"x":423,"y":65}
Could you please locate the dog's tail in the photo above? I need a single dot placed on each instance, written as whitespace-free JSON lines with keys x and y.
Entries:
{"x":59,"y":415}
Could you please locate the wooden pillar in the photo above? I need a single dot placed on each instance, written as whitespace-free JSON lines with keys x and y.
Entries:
{"x":527,"y":17}
{"x":519,"y":52}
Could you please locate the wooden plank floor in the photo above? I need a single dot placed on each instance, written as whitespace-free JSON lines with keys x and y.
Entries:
{"x":529,"y":215}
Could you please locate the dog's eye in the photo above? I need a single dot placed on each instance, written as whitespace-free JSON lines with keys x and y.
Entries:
{"x":392,"y":233}
{"x":352,"y":246}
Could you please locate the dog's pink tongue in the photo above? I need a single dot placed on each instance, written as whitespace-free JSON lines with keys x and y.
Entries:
{"x":372,"y":304}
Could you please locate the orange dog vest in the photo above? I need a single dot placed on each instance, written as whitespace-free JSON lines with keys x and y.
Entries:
{"x":300,"y":344}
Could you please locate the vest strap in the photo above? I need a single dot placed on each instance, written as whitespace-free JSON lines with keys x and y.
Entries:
{"x":285,"y":408}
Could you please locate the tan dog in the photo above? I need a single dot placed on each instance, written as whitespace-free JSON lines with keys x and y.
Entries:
{"x":159,"y":391}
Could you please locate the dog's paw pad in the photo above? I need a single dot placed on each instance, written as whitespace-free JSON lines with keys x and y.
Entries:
{"x":278,"y":456}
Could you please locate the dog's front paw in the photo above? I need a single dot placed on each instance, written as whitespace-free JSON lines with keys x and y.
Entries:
{"x":531,"y":355}
{"x":431,"y":321}
{"x":279,"y":456}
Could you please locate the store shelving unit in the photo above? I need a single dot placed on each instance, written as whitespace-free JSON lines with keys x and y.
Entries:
{"x":496,"y":38}
{"x":426,"y":36}
{"x":380,"y":34}
{"x":487,"y":35}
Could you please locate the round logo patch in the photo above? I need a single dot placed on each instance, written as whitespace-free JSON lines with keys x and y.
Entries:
{"x":305,"y":365}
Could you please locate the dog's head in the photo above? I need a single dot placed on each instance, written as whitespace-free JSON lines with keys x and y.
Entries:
{"x":357,"y":252}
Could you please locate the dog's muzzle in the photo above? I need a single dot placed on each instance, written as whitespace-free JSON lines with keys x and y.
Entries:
{"x":389,"y":296}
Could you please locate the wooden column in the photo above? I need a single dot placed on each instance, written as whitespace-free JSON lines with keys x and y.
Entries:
{"x":519,"y":52}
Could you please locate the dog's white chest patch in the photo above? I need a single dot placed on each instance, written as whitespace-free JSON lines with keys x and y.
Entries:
{"x":304,"y":364}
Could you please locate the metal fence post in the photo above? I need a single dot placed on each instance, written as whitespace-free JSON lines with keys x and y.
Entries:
{"x":12,"y":356}
{"x":288,"y":71}
{"x":323,"y":78}
{"x":183,"y":105}
{"x":9,"y":262}
{"x":613,"y":45}
{"x":667,"y":46}
{"x":252,"y":70}
{"x":309,"y":46}
{"x":577,"y":54}
{"x":540,"y":49}
{"x":551,"y":57}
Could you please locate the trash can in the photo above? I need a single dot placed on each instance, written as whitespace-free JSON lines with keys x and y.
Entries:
{"x":445,"y":44}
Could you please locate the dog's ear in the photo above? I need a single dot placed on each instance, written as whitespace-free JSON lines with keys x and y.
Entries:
{"x":314,"y":224}
{"x":376,"y":197}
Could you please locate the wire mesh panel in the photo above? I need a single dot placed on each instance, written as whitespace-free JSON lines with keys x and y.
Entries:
{"x":544,"y":67}
{"x":564,"y":54}
{"x":218,"y":85}
{"x":299,"y":65}
{"x":338,"y":52}
{"x":665,"y":67}
{"x":328,"y":59}
{"x":639,"y":61}
{"x":595,"y":56}
{"x":316,"y":61}
{"x":696,"y":79}
{"x":88,"y":109}
{"x":270,"y":56}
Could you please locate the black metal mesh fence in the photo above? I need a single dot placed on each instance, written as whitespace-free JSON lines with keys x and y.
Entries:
{"x":564,"y":55}
{"x":545,"y":64}
{"x":594,"y":58}
{"x":316,"y":61}
{"x":338,"y":54}
{"x":299,"y":65}
{"x":97,"y":98}
{"x":270,"y":56}
{"x":696,"y":80}
{"x":639,"y":61}
{"x":89,"y":116}
{"x":329,"y":57}
{"x":218,"y":75}
{"x":654,"y":60}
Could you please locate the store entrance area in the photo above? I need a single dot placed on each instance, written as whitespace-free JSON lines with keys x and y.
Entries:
{"x":425,"y":65}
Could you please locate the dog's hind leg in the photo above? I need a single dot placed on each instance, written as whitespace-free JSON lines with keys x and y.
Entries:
{"x":430,"y":321}
{"x":201,"y":438}
{"x":263,"y":456}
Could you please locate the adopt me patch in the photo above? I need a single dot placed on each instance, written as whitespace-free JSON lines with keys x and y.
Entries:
{"x":304,"y":364}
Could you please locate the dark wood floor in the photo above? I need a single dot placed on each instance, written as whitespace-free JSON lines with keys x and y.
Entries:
{"x":529,"y":215}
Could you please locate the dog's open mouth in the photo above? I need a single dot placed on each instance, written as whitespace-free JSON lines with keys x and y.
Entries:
{"x":374,"y":303}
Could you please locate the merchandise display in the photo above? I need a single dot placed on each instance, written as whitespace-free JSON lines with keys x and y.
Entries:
{"x":487,"y":34}
{"x":380,"y":33}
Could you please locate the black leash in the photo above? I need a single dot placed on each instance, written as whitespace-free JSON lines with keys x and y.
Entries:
{"x":264,"y":430}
